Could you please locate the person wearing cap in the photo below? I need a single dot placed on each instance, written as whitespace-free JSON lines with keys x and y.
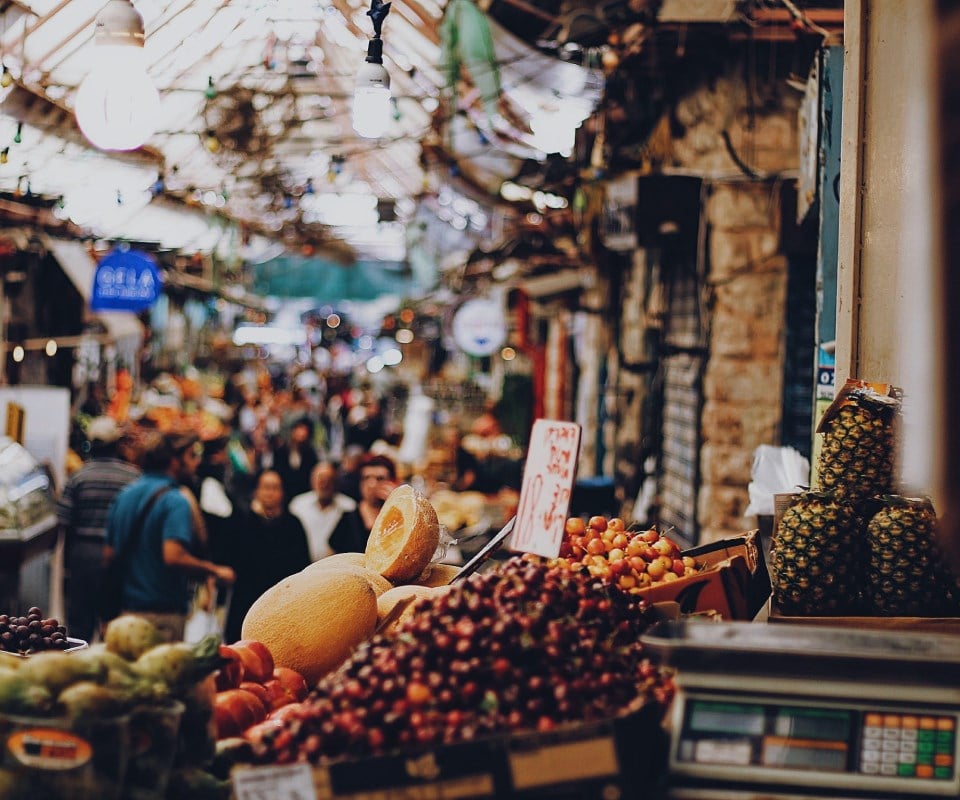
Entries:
{"x":82,"y":514}
{"x":162,"y":561}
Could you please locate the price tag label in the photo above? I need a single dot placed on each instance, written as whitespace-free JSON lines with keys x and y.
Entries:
{"x":288,"y":782}
{"x":547,"y":485}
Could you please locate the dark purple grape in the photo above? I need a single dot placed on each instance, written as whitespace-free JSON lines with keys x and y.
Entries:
{"x":23,"y":632}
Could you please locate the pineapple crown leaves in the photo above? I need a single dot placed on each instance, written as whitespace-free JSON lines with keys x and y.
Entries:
{"x":902,"y":501}
{"x":881,"y":405}
{"x":825,"y":495}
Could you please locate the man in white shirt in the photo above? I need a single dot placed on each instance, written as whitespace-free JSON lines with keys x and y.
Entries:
{"x":320,"y":510}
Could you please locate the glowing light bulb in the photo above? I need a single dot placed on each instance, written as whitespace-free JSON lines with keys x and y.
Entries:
{"x":117,"y":105}
{"x":372,"y":110}
{"x":51,"y":348}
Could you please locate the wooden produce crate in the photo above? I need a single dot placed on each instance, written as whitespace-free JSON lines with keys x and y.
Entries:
{"x":623,"y":757}
{"x":734,"y":582}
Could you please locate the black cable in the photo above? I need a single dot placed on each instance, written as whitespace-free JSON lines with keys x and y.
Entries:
{"x":744,"y":167}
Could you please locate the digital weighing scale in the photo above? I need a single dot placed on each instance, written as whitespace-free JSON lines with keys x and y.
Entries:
{"x":791,"y":712}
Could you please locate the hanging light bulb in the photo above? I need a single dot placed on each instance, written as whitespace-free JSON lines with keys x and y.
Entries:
{"x":371,"y":96}
{"x":18,"y":136}
{"x":6,"y":79}
{"x":4,"y":155}
{"x":117,"y":105}
{"x":51,"y":348}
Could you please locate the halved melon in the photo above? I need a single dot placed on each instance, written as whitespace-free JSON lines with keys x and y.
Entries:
{"x":404,"y":536}
{"x":437,"y":575}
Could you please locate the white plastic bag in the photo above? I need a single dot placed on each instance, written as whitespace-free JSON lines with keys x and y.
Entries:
{"x":776,"y":470}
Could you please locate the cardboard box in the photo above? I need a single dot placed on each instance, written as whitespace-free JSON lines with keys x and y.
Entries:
{"x":734,"y":582}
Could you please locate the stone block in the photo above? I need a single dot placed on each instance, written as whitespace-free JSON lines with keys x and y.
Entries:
{"x":762,"y":422}
{"x":741,"y":382}
{"x":721,"y":507}
{"x":711,"y":534}
{"x":737,"y":206}
{"x":731,"y":251}
{"x":730,"y":336}
{"x":775,"y":132}
{"x":722,"y":423}
{"x":725,"y":465}
{"x":756,"y":295}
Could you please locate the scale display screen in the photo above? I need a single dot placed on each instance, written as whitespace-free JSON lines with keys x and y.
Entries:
{"x":818,"y":739}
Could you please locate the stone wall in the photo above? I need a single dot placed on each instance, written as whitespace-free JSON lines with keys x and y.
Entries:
{"x":746,"y":281}
{"x":741,"y":145}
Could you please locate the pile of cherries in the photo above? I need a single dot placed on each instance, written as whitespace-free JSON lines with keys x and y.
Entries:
{"x":32,"y":633}
{"x":526,"y":647}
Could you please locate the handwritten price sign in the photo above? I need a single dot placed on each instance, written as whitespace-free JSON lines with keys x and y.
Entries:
{"x":547,"y":485}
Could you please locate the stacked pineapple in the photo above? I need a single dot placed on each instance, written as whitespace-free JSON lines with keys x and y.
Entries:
{"x":813,"y":571}
{"x":906,"y":574}
{"x":857,"y":455}
{"x":852,"y":546}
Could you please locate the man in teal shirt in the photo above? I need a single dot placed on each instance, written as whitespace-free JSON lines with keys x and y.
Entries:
{"x":162,"y":559}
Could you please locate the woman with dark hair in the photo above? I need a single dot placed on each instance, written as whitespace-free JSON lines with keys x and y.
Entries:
{"x":265,"y":547}
{"x":295,"y":460}
{"x":378,"y":477}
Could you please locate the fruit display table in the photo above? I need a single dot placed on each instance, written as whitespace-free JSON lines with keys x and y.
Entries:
{"x":24,"y":563}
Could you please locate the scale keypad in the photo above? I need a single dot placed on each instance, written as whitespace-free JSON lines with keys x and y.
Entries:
{"x":908,"y":746}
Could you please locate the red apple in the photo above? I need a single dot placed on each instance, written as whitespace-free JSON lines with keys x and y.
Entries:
{"x":292,"y":681}
{"x":258,"y":690}
{"x":235,"y":710}
{"x":256,"y":659}
{"x":279,"y":695}
{"x":231,"y":673}
{"x":283,"y":712}
{"x":255,"y":733}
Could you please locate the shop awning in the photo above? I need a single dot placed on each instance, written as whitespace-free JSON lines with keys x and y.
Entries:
{"x":79,"y":266}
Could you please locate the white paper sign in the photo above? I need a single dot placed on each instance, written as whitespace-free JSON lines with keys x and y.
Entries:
{"x":547,"y":485}
{"x":288,"y":782}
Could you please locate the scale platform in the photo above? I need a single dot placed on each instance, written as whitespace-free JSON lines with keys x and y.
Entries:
{"x":785,"y":712}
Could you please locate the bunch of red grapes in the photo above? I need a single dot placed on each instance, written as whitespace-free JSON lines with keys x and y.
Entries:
{"x":526,"y":647}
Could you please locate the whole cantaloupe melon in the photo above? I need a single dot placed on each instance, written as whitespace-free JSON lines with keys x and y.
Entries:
{"x":350,"y":567}
{"x":437,"y":575}
{"x":404,"y":536}
{"x":341,"y":560}
{"x":387,"y":602}
{"x":313,"y":620}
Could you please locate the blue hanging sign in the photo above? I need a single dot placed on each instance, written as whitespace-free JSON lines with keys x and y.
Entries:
{"x":126,"y":280}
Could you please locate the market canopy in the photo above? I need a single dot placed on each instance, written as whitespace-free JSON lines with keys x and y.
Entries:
{"x":255,"y":99}
{"x":330,"y":282}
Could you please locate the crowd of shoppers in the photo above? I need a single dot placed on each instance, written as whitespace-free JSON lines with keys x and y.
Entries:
{"x":295,"y":473}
